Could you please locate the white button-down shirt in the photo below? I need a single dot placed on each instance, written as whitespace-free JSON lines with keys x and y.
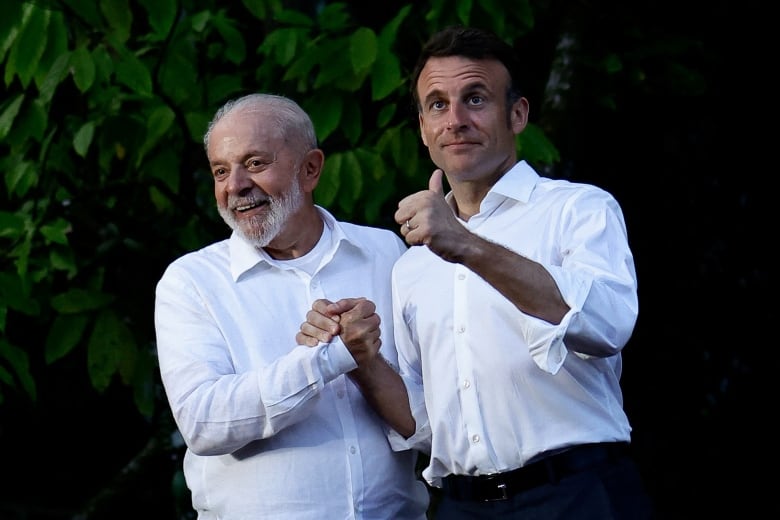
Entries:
{"x":502,"y":386}
{"x":276,"y":430}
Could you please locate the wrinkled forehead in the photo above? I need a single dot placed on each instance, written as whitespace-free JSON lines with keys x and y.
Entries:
{"x":244,"y":129}
{"x":454,"y":73}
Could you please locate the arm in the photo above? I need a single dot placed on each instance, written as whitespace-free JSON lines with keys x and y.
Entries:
{"x":527,"y":284}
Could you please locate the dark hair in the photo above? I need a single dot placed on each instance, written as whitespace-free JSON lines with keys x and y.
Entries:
{"x":471,"y":43}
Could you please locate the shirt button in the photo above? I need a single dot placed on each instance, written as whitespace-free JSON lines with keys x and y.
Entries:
{"x":466,"y":384}
{"x":340,"y":394}
{"x":352,"y":450}
{"x":475,"y":438}
{"x":461,"y":276}
{"x":461,"y":329}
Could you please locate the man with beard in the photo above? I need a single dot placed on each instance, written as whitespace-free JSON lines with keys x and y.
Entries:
{"x":274,"y":429}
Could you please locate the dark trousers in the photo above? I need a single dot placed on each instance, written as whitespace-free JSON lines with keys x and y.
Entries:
{"x":612,"y":491}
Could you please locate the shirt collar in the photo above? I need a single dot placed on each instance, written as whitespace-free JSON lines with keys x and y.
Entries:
{"x":244,"y":256}
{"x":518,"y":184}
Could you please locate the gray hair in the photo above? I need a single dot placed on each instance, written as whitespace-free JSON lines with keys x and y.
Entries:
{"x":283,"y":113}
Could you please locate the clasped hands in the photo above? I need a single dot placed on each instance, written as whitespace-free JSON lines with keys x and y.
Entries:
{"x":353,"y":319}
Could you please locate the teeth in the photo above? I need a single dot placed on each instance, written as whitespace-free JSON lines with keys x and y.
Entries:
{"x":247,"y":206}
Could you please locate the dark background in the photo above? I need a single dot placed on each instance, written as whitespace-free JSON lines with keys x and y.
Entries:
{"x":691,"y":170}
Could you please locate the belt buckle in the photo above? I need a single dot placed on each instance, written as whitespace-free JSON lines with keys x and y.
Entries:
{"x":504,"y":495}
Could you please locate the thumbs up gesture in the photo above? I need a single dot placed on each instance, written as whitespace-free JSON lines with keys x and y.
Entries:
{"x":427,"y":219}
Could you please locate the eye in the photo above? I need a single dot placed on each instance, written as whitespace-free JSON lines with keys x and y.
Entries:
{"x":258,"y":164}
{"x":219,"y":173}
{"x":476,"y":100}
{"x":438,"y":105}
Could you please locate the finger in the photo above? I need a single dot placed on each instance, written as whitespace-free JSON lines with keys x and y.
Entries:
{"x":308,"y":341}
{"x":319,"y":333}
{"x":435,"y":183}
{"x":343,"y":305}
{"x":318,"y":321}
{"x":365,"y":309}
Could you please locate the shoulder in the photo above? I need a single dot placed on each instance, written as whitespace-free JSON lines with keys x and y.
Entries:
{"x":373,"y":238}
{"x":580,"y":194}
{"x":210,"y":258}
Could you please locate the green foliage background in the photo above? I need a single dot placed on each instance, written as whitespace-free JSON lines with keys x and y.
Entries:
{"x":104,"y":181}
{"x":104,"y":108}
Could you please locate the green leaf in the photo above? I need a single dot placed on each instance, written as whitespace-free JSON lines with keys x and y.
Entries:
{"x":57,"y":231}
{"x":75,"y":301}
{"x":132,"y":73}
{"x":62,"y":259}
{"x":328,"y":186}
{"x":30,"y":123}
{"x":362,"y":49}
{"x":158,"y":123}
{"x":9,"y":114}
{"x":200,"y":20}
{"x":289,"y":17}
{"x":111,"y":349}
{"x":55,"y":75}
{"x":256,"y":7}
{"x":119,"y":17}
{"x":83,"y":68}
{"x":385,"y":115}
{"x":282,"y":45}
{"x":10,"y":21}
{"x":56,"y":46}
{"x":351,"y":178}
{"x":163,"y":165}
{"x":333,"y":17}
{"x":385,"y":76}
{"x":463,"y":10}
{"x":64,"y":335}
{"x":29,"y":45}
{"x":325,"y":112}
{"x":15,"y":293}
{"x":162,"y":14}
{"x":83,"y":138}
{"x":235,"y":51}
{"x":534,"y":146}
{"x":389,"y":33}
{"x":11,"y":225}
{"x":20,"y":362}
{"x":22,"y":176}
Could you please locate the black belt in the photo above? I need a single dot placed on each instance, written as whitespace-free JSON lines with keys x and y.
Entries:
{"x":551,"y":469}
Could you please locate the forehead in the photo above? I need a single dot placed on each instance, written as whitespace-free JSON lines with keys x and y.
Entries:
{"x":454,"y":73}
{"x":242,"y":130}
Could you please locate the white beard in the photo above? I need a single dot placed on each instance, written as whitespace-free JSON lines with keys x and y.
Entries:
{"x":260,"y":230}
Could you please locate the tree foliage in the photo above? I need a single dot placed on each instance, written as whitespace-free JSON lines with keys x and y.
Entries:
{"x":104,"y":107}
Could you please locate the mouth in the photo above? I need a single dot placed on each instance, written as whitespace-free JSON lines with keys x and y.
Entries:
{"x":248,"y":206}
{"x":459,"y":144}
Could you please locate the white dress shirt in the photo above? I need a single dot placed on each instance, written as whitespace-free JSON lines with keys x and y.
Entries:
{"x":275,"y":430}
{"x":501,"y":386}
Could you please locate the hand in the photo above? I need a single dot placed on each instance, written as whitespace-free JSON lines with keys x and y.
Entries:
{"x":427,"y":219}
{"x":353,"y":319}
{"x":321,"y":325}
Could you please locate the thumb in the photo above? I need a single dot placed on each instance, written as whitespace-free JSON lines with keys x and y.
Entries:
{"x":435,"y":182}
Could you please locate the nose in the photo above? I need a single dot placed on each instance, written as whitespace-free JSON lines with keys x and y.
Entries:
{"x":458,"y":116}
{"x":239,"y":180}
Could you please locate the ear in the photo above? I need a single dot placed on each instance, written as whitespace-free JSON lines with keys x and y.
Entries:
{"x":422,"y":129}
{"x":311,"y":168}
{"x":519,"y":115}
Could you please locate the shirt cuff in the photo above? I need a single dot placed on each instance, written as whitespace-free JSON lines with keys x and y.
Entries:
{"x":335,"y":360}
